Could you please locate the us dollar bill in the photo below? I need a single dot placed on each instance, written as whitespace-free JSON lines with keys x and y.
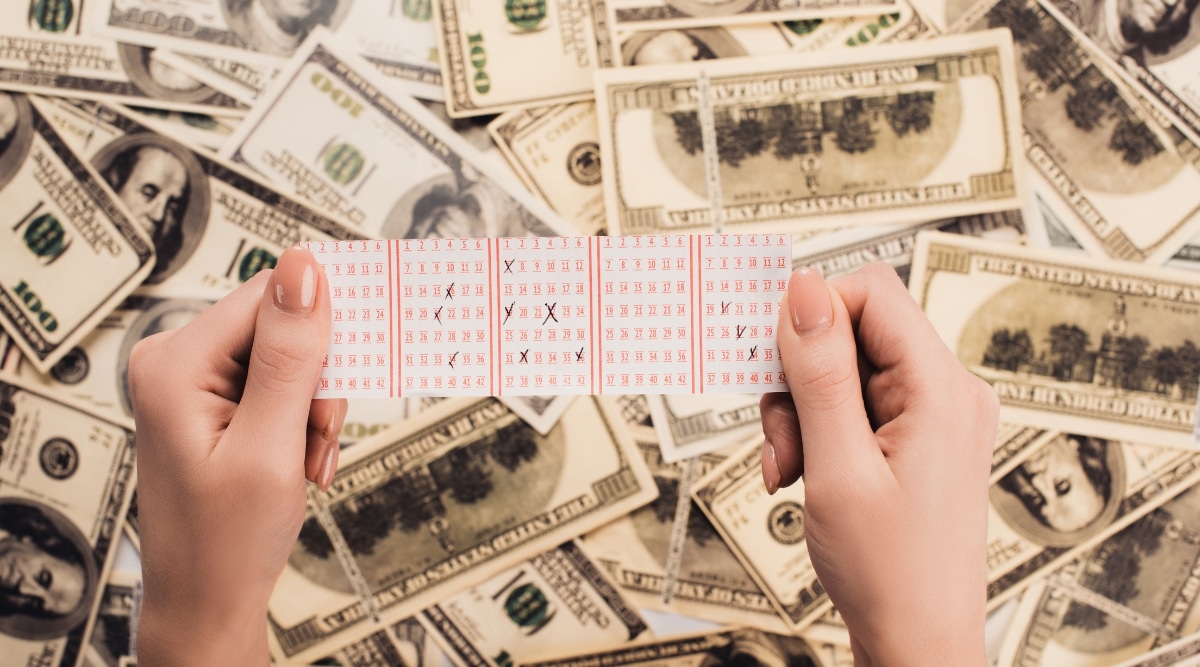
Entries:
{"x":62,"y":223}
{"x":213,"y":225}
{"x":112,"y":632}
{"x":847,"y":250}
{"x":711,"y":583}
{"x":879,"y":135}
{"x":1133,"y":593}
{"x":397,"y":36}
{"x":400,"y":528}
{"x":66,"y":473}
{"x":667,"y":46}
{"x":96,"y":371}
{"x":903,"y":23}
{"x":1069,"y":343}
{"x":1063,"y":493}
{"x":1043,"y":225}
{"x":340,"y":138}
{"x":1183,"y":652}
{"x":692,"y":424}
{"x":197,"y":129}
{"x":1106,"y":154}
{"x":496,"y":57}
{"x":1152,"y":46}
{"x":728,"y":646}
{"x":403,"y":644}
{"x":766,"y":533}
{"x":559,"y":601}
{"x":46,"y":48}
{"x":627,"y":15}
{"x":241,"y":80}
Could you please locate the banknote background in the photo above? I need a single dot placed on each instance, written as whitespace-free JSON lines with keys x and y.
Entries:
{"x":1028,"y":167}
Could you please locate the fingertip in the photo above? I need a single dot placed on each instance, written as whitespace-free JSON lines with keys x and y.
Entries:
{"x":770,"y":468}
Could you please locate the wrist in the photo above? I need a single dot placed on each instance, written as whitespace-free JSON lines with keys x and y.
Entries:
{"x":941,"y":647}
{"x":170,"y":636}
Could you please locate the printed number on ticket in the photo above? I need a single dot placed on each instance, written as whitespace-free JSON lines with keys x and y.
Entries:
{"x":685,"y":314}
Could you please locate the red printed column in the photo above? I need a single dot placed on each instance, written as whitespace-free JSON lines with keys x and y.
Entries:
{"x":742,"y":279}
{"x":545,"y":289}
{"x":360,"y":361}
{"x":445,"y":318}
{"x":645,"y":302}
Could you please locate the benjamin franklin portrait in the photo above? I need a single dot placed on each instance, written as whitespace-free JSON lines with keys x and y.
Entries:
{"x":1145,"y":30}
{"x":164,"y":187}
{"x":48,"y":576}
{"x":457,"y":206}
{"x":1067,"y":491}
{"x":662,"y":47}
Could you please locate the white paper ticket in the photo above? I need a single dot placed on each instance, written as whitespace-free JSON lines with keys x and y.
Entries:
{"x":684,"y":314}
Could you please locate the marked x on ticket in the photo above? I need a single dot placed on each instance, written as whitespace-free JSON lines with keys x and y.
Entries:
{"x":669,"y":314}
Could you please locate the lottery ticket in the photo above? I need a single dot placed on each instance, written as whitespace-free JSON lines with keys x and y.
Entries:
{"x":669,"y":314}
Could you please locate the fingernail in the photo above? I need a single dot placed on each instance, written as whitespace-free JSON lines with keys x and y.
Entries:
{"x":327,"y":432}
{"x":809,"y":301}
{"x":295,"y":280}
{"x":770,"y":468}
{"x":328,"y":467}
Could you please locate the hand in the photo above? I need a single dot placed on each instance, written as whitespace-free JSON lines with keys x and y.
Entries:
{"x":895,"y":485}
{"x":227,"y":433}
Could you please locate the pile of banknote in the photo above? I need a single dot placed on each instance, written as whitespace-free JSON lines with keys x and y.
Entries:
{"x":1030,"y":167}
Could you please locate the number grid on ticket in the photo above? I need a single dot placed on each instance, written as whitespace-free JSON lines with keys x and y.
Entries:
{"x":683,"y":314}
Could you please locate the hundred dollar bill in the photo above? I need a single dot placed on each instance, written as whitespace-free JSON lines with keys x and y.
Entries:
{"x":1135,"y":592}
{"x":336,"y":135}
{"x":213,"y":225}
{"x":664,"y":47}
{"x":45,"y":48}
{"x":1152,"y":45}
{"x":1105,"y":154}
{"x":403,"y":644}
{"x":201,"y":130}
{"x":96,"y":371}
{"x":1183,"y":652}
{"x":132,"y":531}
{"x":1084,"y":345}
{"x":879,"y":135}
{"x":1063,"y":493}
{"x":240,"y":80}
{"x":692,"y":424}
{"x":65,"y":477}
{"x":712,"y":584}
{"x":903,"y":24}
{"x":498,"y":56}
{"x":111,"y":635}
{"x":628,"y":15}
{"x":71,"y":251}
{"x":766,"y":533}
{"x":847,"y":250}
{"x":731,"y":646}
{"x":402,"y":527}
{"x":555,"y":602}
{"x":397,"y":36}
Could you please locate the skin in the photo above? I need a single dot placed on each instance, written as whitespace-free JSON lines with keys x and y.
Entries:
{"x":894,"y":439}
{"x":1067,"y":497}
{"x":1152,"y":16}
{"x":154,"y":188}
{"x":896,"y":521}
{"x":26,"y":571}
{"x":8,"y":115}
{"x":670,"y":46}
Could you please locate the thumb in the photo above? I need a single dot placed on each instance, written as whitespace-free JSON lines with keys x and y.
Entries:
{"x":291,"y":336}
{"x":820,"y":361}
